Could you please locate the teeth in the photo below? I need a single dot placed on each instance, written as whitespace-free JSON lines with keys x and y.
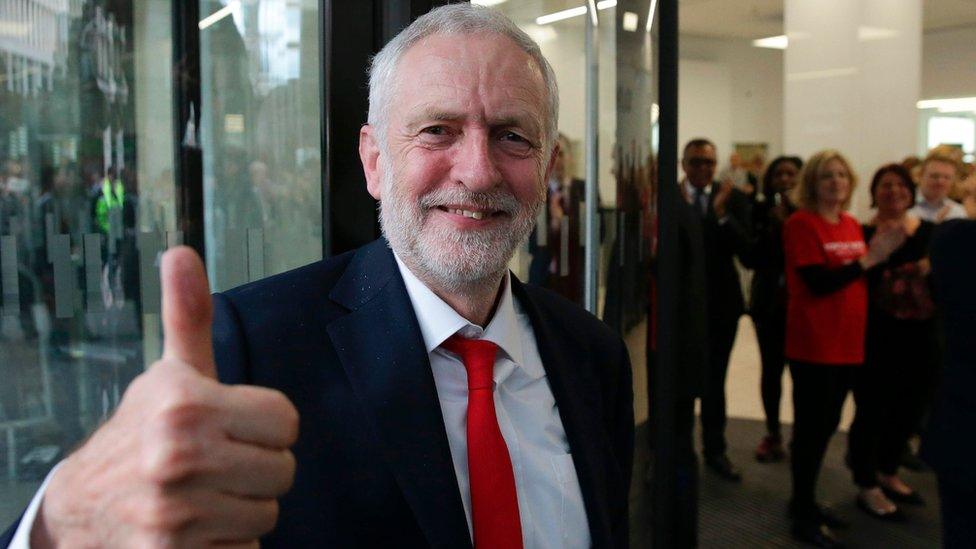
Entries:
{"x":467,"y":213}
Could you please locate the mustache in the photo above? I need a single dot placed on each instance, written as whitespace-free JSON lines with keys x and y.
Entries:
{"x":496,"y":199}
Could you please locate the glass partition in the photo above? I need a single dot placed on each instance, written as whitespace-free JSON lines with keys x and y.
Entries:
{"x":261,"y":136}
{"x":88,"y":196}
{"x":86,"y":205}
{"x":607,"y":119}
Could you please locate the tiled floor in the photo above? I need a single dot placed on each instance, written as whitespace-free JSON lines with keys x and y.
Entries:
{"x":752,"y":514}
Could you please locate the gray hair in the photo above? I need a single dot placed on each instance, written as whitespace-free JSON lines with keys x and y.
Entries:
{"x":461,"y":18}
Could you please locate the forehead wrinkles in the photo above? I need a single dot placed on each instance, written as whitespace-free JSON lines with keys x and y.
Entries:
{"x":500,"y":77}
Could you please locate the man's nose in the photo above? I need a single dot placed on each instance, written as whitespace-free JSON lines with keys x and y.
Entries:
{"x":474,"y":166}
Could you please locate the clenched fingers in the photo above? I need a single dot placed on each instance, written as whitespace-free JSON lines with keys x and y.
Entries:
{"x":258,"y":415}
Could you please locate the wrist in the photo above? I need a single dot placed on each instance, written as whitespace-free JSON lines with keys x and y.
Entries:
{"x":57,"y":519}
{"x":40,"y":535}
{"x":867,"y":262}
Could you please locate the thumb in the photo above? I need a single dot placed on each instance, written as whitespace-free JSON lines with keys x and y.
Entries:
{"x":187,"y":310}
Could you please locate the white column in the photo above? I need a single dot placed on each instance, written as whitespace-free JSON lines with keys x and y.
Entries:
{"x":852,"y":78}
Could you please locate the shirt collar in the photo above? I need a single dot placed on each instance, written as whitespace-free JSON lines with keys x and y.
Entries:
{"x":925,"y":203}
{"x":691,"y":190}
{"x":438,"y":321}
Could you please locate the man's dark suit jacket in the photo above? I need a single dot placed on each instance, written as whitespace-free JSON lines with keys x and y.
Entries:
{"x":723,"y":241}
{"x":341,"y":340}
{"x":949,"y":444}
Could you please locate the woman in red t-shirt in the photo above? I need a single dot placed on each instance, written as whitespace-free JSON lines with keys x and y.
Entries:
{"x":826,"y":258}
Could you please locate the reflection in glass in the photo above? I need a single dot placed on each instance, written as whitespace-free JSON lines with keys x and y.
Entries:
{"x":86,"y":199}
{"x":260,"y":136}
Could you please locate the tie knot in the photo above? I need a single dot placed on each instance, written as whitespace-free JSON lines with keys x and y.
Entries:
{"x":478,"y":356}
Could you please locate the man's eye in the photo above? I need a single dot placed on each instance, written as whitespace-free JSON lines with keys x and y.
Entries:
{"x":514,"y":137}
{"x":435,"y":130}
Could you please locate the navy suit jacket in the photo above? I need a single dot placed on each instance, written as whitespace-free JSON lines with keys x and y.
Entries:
{"x":341,"y":340}
{"x":949,"y":444}
{"x":722,"y":242}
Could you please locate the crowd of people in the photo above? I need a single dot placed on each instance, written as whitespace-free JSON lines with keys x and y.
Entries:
{"x":848,"y":305}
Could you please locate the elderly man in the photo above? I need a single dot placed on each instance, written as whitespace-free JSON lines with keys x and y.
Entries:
{"x":427,"y":397}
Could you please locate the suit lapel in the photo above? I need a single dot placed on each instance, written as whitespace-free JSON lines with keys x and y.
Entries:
{"x":576,"y":397}
{"x":382,"y":351}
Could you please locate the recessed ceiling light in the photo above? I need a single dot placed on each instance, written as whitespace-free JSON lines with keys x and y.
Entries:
{"x":572,"y":12}
{"x":957,"y":104}
{"x":219,"y":14}
{"x":775,"y":42}
{"x":560,"y":15}
{"x":650,"y":15}
{"x":630,"y":21}
{"x":541,"y":35}
{"x":488,"y":2}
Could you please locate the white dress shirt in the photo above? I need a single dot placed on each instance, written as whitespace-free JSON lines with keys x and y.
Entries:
{"x":549,"y":497}
{"x":929,"y":211}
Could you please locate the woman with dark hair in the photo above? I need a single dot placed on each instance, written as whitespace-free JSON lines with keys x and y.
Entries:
{"x":901,"y":351}
{"x":826,"y":316}
{"x":768,"y":295}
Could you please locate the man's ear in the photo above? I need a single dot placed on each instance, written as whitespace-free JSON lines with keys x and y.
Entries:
{"x":369,"y":155}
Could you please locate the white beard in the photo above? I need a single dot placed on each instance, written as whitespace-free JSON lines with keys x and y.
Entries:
{"x":447,"y":257}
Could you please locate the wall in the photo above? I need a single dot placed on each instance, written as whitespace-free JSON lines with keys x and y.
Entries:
{"x":731,"y":81}
{"x":754,"y":80}
{"x":949,"y":63}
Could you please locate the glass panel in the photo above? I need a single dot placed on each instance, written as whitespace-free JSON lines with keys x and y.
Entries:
{"x":553,"y":257}
{"x":86,"y":202}
{"x":626,"y":117}
{"x":260,"y":136}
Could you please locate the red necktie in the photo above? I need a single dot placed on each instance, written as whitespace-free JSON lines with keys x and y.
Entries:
{"x":494,"y":503}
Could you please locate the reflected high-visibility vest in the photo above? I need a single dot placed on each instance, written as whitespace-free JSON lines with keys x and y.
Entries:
{"x":113,"y":197}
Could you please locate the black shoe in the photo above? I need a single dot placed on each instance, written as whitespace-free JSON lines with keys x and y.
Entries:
{"x":828,"y":517}
{"x":816,"y":534}
{"x":722,"y":467}
{"x":822,"y":514}
{"x":911,"y":498}
{"x":894,"y":516}
{"x":912,"y":462}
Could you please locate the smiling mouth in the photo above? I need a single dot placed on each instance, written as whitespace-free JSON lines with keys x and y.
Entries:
{"x":473,"y":214}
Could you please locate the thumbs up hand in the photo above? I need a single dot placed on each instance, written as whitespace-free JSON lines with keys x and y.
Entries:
{"x":184,"y":461}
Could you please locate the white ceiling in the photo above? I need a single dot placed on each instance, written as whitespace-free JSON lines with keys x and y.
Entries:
{"x":740,"y":18}
{"x":759,"y":18}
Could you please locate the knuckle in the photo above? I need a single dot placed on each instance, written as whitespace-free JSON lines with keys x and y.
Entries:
{"x":172,"y":456}
{"x":289,"y":419}
{"x":161,"y":517}
{"x":288,"y":471}
{"x":267,"y":517}
{"x":171,"y":461}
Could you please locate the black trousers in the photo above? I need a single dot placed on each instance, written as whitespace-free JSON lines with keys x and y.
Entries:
{"x":892,"y":391}
{"x":819,"y":391}
{"x":721,"y":337}
{"x":771,"y":336}
{"x":958,"y":514}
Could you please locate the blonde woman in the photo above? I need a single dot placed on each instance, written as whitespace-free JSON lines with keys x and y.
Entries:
{"x":827,"y":301}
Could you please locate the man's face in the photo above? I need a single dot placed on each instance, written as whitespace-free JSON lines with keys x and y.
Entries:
{"x":462,"y":175}
{"x":699,"y":165}
{"x":936,"y":180}
{"x":735,"y":160}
